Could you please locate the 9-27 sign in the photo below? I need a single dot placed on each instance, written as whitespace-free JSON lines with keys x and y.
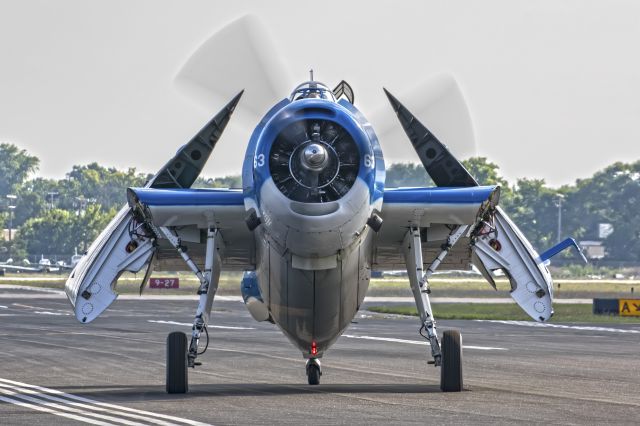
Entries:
{"x":629,"y":307}
{"x":164,"y":283}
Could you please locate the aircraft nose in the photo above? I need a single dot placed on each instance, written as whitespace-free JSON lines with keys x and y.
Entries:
{"x":314,"y":157}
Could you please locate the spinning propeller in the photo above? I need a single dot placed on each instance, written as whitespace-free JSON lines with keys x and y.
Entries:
{"x":243,"y":55}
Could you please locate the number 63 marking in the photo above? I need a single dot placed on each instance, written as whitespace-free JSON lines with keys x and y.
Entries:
{"x":258,"y":161}
{"x":369,"y":161}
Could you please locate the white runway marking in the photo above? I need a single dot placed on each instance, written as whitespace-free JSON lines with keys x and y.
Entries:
{"x":40,"y":308}
{"x":569,"y":327}
{"x":186,"y":324}
{"x":417,"y":342}
{"x":51,"y":313}
{"x":36,"y":289}
{"x":4,"y":307}
{"x":50,"y":411}
{"x":475,"y":300}
{"x":82,"y":409}
{"x":350,"y":336}
{"x":43,"y":311}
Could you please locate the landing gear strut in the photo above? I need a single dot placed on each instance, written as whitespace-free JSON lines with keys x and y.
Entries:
{"x":179,"y":356}
{"x":449,"y":356}
{"x":314,"y":371}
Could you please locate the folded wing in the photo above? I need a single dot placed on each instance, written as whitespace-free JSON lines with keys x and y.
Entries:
{"x":127,"y":245}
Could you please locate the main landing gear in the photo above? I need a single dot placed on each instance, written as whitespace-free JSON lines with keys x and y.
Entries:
{"x":180,"y":356}
{"x":448,"y":356}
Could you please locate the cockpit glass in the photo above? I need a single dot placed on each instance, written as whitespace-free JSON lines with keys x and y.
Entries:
{"x":312,"y":90}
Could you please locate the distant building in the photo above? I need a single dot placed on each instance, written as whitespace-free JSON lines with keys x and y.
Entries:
{"x":604,"y":230}
{"x":593,"y":249}
{"x":5,"y":234}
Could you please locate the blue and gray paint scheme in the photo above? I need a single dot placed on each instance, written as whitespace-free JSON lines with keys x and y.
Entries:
{"x":313,"y":218}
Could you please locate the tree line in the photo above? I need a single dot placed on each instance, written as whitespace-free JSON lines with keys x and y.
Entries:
{"x":62,"y":216}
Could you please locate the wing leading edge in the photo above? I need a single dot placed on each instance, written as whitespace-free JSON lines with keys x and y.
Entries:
{"x":190,"y":212}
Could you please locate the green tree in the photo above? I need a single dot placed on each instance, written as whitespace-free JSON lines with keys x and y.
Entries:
{"x":104,"y":186}
{"x":534,"y":210}
{"x":88,"y":224}
{"x":611,"y":195}
{"x":15,"y":166}
{"x":49,"y":233}
{"x":233,"y":181}
{"x":407,"y":175}
{"x":488,"y":173}
{"x":14,"y":249}
{"x":63,"y":232}
{"x":33,"y":198}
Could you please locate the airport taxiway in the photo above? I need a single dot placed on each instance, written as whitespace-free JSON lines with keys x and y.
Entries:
{"x":56,"y":371}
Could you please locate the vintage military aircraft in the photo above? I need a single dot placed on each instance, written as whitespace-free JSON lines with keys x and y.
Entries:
{"x":312,"y":220}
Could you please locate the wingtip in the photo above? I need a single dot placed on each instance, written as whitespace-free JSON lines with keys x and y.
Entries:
{"x":395,"y":103}
{"x":234,"y":101}
{"x":237,"y":97}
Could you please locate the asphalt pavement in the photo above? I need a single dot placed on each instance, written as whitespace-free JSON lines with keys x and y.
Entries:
{"x":55,"y":370}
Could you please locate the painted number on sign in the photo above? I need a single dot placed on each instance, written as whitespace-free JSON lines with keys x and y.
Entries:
{"x":164,"y":283}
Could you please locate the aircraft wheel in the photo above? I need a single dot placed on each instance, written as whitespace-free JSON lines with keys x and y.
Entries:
{"x":313,"y":374}
{"x":177,"y":377}
{"x":451,"y":369}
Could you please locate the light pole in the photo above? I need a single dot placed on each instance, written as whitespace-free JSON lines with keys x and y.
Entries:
{"x":81,"y":204}
{"x":12,"y":201}
{"x":51,"y":194}
{"x":559,"y":199}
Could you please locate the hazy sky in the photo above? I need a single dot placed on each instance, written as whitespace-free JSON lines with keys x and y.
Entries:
{"x":553,"y":86}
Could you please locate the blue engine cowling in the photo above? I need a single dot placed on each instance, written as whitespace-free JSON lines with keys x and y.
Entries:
{"x":313,"y":213}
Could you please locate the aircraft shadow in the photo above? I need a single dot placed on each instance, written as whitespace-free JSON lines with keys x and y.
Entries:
{"x":245,"y":389}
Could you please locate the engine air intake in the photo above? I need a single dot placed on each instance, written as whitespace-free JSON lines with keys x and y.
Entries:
{"x":314,"y":161}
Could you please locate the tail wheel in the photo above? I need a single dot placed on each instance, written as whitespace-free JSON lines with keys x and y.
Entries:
{"x":313,"y":374}
{"x":451,"y":369}
{"x":177,"y":377}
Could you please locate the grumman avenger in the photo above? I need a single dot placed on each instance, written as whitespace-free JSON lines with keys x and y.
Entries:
{"x":312,"y":220}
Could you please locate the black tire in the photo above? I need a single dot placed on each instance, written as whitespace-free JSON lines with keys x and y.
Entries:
{"x":177,"y":377}
{"x":313,"y":375}
{"x":451,"y":369}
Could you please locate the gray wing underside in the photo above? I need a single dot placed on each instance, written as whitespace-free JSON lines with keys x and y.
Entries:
{"x":236,"y":245}
{"x":435,"y":223}
{"x":388,"y":257}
